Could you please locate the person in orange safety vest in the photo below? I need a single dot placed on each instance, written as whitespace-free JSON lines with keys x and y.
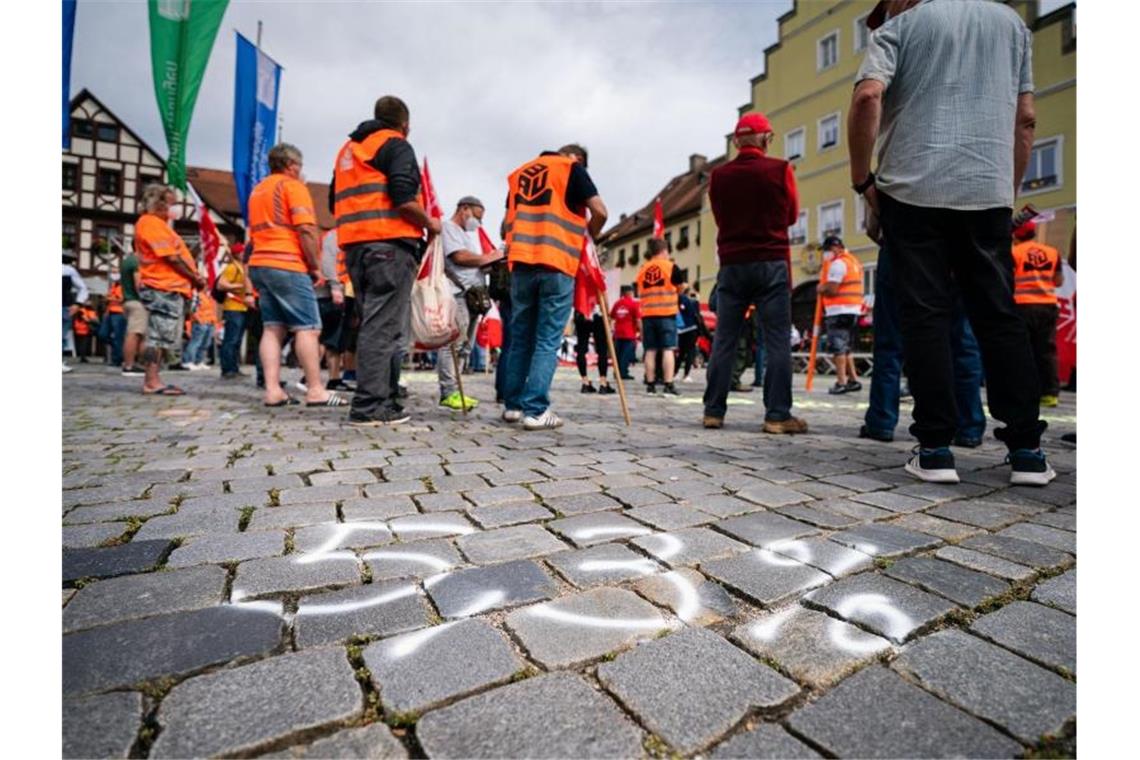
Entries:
{"x":842,"y":297}
{"x":1037,"y":273}
{"x":657,"y":282}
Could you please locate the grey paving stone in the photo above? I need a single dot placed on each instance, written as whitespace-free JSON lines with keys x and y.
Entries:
{"x":605,"y":564}
{"x":818,"y":517}
{"x":934,"y":526}
{"x":416,"y":671}
{"x":887,"y":607}
{"x":764,"y":576}
{"x":317,"y":494}
{"x":104,"y":725}
{"x":810,"y":646}
{"x":958,"y":584}
{"x":512,"y":477}
{"x":1028,"y":701}
{"x":602,"y":527}
{"x":766,"y":741}
{"x":884,"y":540}
{"x":834,"y":559}
{"x":556,"y":488}
{"x":418,"y":559}
{"x":342,"y":478}
{"x":690,"y":546}
{"x":504,"y":544}
{"x":1059,"y":591}
{"x":857,"y":483}
{"x":187,"y":523}
{"x":266,"y":483}
{"x":693,"y":598}
{"x":103,"y":494}
{"x":550,"y":716}
{"x":485,"y":497}
{"x":441,"y":502}
{"x":239,"y":709}
{"x":376,"y":609}
{"x":468,"y":592}
{"x":1059,"y":520}
{"x":381,"y":508}
{"x":125,"y":654}
{"x":437,"y":524}
{"x":228,"y":548}
{"x":393,"y":488}
{"x":894,"y":502}
{"x":372,"y":742}
{"x":78,"y":536}
{"x":138,"y":596}
{"x":763,"y":528}
{"x":939,"y":492}
{"x":576,"y":629}
{"x":107,"y":562}
{"x":772,"y":495}
{"x":875,"y":713}
{"x":1061,"y":540}
{"x":637,"y":496}
{"x":581,"y":504}
{"x":294,"y":573}
{"x":986,"y":563}
{"x":981,"y":514}
{"x":854,"y":509}
{"x":512,"y":513}
{"x":333,"y":536}
{"x":670,"y":516}
{"x":691,"y":687}
{"x":1019,"y":550}
{"x":723,"y":505}
{"x":270,"y":518}
{"x":1042,"y":634}
{"x":117,"y":511}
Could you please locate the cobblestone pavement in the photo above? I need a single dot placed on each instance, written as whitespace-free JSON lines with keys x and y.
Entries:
{"x":240,"y":580}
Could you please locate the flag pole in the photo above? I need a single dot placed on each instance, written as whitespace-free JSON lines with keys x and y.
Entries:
{"x":613,"y":355}
{"x":458,"y":372}
{"x":815,"y":326}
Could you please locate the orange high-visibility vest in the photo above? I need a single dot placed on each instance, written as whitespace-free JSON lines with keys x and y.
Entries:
{"x":115,"y":299}
{"x":277,"y":204}
{"x":363,"y":208}
{"x":656,"y":289}
{"x":1034,"y":267}
{"x":851,"y":288}
{"x":541,"y":229}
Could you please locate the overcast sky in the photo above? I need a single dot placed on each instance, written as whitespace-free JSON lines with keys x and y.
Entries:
{"x":489,"y":84}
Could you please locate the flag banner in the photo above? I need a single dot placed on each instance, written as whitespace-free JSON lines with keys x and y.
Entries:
{"x":589,"y":280}
{"x":68,"y":36}
{"x":1067,"y":324}
{"x":485,"y":242}
{"x":181,"y":36}
{"x":256,"y":83}
{"x":658,"y":220}
{"x":211,"y":243}
{"x":431,"y":205}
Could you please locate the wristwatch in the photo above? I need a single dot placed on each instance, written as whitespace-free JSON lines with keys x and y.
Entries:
{"x":863,"y":186}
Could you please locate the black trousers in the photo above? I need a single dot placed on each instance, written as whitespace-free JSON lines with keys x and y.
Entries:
{"x":1041,"y":321}
{"x":585,"y":329}
{"x":687,"y":347}
{"x":382,"y":277}
{"x":937,"y":253}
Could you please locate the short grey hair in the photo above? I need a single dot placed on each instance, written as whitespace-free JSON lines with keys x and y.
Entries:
{"x":154,"y":195}
{"x":283,"y":154}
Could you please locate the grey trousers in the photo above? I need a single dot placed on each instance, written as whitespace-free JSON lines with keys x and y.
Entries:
{"x":764,"y":283}
{"x":382,"y":276}
{"x":445,"y":365}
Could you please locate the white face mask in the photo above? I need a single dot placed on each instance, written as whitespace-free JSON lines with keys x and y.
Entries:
{"x":114,"y":278}
{"x":472,"y":224}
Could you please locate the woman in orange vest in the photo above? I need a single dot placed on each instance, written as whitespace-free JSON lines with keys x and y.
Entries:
{"x":842,"y":296}
{"x":1037,"y":273}
{"x":115,"y":321}
{"x":657,"y":283}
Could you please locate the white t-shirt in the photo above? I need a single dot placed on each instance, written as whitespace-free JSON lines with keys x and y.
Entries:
{"x":455,"y":238}
{"x":836,"y":271}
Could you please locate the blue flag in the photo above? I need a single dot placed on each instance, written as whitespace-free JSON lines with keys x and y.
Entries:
{"x":255,"y":118}
{"x":68,"y":34}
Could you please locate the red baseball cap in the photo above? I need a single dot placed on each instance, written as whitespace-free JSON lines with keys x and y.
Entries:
{"x":1026,"y":230}
{"x":752,"y":124}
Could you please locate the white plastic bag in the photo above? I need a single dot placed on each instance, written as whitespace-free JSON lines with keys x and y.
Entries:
{"x":433,"y":306}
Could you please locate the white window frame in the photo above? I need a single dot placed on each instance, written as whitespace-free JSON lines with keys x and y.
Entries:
{"x":859,"y":207}
{"x":802,"y":131}
{"x":819,"y":132}
{"x":819,"y":66}
{"x":1059,"y":161}
{"x":855,"y":33}
{"x":804,"y":214}
{"x":842,"y":221}
{"x":869,"y":268}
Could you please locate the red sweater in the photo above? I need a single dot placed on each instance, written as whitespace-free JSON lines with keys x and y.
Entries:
{"x":754,"y":201}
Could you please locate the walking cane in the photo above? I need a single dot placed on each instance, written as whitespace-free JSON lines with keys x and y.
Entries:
{"x":815,"y":327}
{"x":458,"y":373}
{"x":610,"y":343}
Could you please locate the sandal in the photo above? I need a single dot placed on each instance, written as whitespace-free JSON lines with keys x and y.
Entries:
{"x":287,"y":401}
{"x":166,"y":390}
{"x":334,"y":399}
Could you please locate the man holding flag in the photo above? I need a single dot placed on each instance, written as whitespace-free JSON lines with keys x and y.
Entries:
{"x":545,"y":227}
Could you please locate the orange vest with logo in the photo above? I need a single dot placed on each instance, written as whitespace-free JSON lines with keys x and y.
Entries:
{"x":1034,"y":267}
{"x":541,"y":229}
{"x":276,"y":242}
{"x":363,"y":208}
{"x":80,"y":324}
{"x":656,"y":289}
{"x":851,"y":288}
{"x":115,"y":299}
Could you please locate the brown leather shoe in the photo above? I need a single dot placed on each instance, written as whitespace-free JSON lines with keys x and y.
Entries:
{"x":714,"y":422}
{"x":789,"y":426}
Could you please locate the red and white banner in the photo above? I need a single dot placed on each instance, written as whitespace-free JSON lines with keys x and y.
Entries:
{"x":1067,"y":325}
{"x":658,"y":220}
{"x":211,"y":243}
{"x":589,"y":279}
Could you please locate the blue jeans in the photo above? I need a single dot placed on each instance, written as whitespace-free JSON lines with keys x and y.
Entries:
{"x":883,"y":414}
{"x":200,"y":338}
{"x":68,"y":341}
{"x":541,"y":299}
{"x":231,"y":341}
{"x":118,"y":327}
{"x":478,"y":360}
{"x":500,"y":369}
{"x":759,"y":377}
{"x":626,"y":351}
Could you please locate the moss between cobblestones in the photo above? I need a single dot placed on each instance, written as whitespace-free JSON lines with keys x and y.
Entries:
{"x":246,"y":515}
{"x":528,"y":672}
{"x":132,"y":527}
{"x":883,"y":563}
{"x":402,"y":720}
{"x":1051,"y":748}
{"x":289,"y":546}
{"x":655,"y":746}
{"x":81,"y":582}
{"x":364,"y":678}
{"x":275,"y":497}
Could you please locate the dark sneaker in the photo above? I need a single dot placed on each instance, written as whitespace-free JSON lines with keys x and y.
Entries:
{"x":382,"y":419}
{"x":966,"y":442}
{"x":588,"y":388}
{"x":837,"y":389}
{"x":339,"y":385}
{"x":670,"y":390}
{"x":606,"y":390}
{"x":854,"y":385}
{"x":133,"y":371}
{"x":651,"y":388}
{"x":741,"y":388}
{"x":875,"y":435}
{"x":177,"y":368}
{"x":933,"y":465}
{"x":1029,"y":468}
{"x":1069,"y":438}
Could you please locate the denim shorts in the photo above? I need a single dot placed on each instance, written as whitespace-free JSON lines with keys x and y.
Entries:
{"x":286,"y":298}
{"x":840,"y":332}
{"x":659,"y":333}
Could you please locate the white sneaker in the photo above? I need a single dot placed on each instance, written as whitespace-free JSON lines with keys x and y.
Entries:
{"x":548,"y":420}
{"x":300,"y":385}
{"x":67,"y":369}
{"x":199,"y":367}
{"x":512,"y":415}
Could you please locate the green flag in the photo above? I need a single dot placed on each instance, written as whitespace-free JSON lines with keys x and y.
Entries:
{"x":181,"y":35}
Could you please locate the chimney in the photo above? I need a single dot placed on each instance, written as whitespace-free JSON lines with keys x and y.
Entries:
{"x":623,"y":216}
{"x":697,"y":162}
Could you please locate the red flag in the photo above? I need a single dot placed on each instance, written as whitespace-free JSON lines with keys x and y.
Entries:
{"x":589,"y":279}
{"x":211,"y":242}
{"x":658,"y":220}
{"x":485,"y":242}
{"x":431,"y":205}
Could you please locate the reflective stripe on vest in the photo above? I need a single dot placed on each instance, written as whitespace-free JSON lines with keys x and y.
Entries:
{"x":655,"y":287}
{"x":1034,"y":267}
{"x":541,"y":229}
{"x":364,"y":210}
{"x":851,"y":288}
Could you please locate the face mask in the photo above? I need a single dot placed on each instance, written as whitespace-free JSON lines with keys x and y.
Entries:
{"x":472,"y":224}
{"x":114,"y":278}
